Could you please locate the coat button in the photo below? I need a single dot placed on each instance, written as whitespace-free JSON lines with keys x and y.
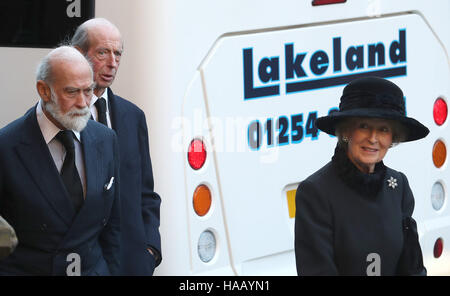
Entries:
{"x":104,"y":222}
{"x":44,"y":227}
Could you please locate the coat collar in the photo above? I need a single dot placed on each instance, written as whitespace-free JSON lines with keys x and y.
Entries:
{"x":368,"y":185}
{"x":115,"y":112}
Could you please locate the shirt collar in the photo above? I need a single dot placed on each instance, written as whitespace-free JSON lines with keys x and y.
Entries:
{"x":95,"y":98}
{"x":49,"y":129}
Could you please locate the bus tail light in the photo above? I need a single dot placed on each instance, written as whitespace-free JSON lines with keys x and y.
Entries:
{"x":196,"y":154}
{"x":438,"y":248}
{"x":440,"y":111}
{"x":206,"y":246}
{"x":437,"y":196}
{"x":202,"y":200}
{"x":325,"y":2}
{"x":439,"y":153}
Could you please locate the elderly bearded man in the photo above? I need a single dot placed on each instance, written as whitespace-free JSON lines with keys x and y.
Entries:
{"x":59,"y":178}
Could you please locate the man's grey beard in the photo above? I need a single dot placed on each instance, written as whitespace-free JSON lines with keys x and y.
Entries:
{"x":75,"y":119}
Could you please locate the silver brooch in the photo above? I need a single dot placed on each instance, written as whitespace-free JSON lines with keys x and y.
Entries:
{"x":392,"y":182}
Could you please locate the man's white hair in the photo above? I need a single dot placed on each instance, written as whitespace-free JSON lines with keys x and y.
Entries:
{"x":80,"y":38}
{"x":44,"y":69}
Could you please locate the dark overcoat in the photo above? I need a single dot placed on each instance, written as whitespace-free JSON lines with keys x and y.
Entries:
{"x":33,"y":199}
{"x":339,"y":231}
{"x":140,"y":203}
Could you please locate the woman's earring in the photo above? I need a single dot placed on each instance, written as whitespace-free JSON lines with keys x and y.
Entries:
{"x":345,"y":139}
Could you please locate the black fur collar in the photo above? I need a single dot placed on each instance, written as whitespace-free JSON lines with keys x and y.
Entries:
{"x":365,"y":184}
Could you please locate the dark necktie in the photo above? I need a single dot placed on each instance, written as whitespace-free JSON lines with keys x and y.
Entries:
{"x":100,"y":104}
{"x":69,"y":173}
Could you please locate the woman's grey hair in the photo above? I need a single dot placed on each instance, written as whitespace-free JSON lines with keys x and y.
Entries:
{"x":399,"y":132}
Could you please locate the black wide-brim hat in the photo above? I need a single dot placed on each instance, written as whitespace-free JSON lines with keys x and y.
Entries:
{"x":373,"y":97}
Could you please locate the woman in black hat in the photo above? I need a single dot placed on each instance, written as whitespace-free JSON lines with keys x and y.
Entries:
{"x":353,"y":216}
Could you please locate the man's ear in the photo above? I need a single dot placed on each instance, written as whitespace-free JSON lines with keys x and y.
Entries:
{"x":79,"y":49}
{"x":44,"y":91}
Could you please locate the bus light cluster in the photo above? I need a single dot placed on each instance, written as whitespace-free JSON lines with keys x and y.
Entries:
{"x":202,"y":200}
{"x":439,"y":153}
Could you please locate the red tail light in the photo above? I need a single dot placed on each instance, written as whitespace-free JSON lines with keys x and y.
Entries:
{"x":438,"y":248}
{"x":196,"y":154}
{"x":325,"y":2}
{"x":440,"y":111}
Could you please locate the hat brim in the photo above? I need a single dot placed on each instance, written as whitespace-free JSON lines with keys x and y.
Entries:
{"x":415,"y":130}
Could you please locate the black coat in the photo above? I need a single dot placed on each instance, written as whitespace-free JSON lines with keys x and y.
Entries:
{"x":140,"y":203}
{"x":343,"y":216}
{"x":33,"y":199}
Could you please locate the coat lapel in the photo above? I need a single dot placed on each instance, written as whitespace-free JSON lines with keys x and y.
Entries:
{"x":92,"y":162}
{"x":116,"y":113}
{"x":36,"y":157}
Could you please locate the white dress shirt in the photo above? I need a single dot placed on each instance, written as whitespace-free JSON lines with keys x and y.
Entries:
{"x":57,"y":149}
{"x":94,"y":111}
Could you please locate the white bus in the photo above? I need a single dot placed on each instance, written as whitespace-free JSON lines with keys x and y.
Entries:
{"x":239,"y":83}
